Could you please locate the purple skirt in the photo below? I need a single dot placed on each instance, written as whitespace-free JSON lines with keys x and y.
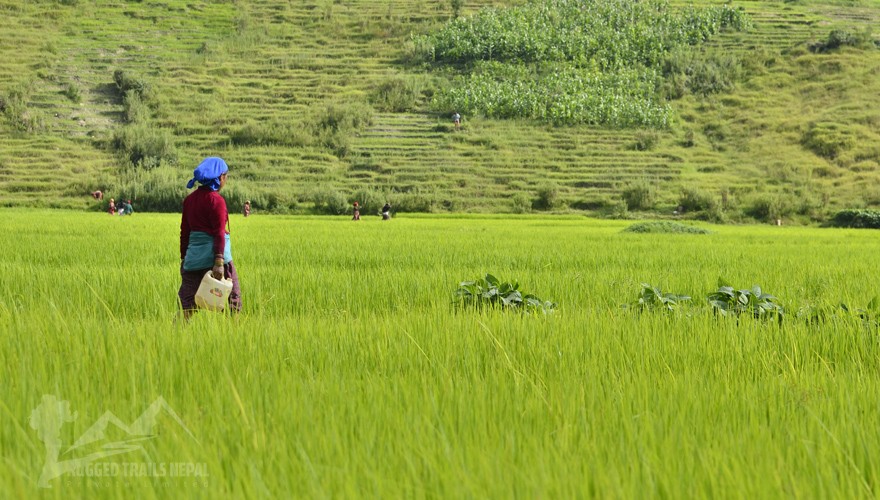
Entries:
{"x":190,"y":281}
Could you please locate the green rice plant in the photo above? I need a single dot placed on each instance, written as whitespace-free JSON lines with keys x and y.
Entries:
{"x":728,"y":301}
{"x":491,"y":292}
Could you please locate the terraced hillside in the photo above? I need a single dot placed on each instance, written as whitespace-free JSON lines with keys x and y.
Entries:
{"x":217,"y":68}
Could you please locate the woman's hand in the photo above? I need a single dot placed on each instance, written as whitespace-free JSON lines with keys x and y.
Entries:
{"x":217,"y":270}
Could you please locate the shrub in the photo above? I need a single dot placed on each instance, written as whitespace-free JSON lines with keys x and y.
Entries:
{"x":334,"y":125}
{"x":329,"y":201}
{"x":639,"y":195}
{"x":397,"y":95}
{"x":520,"y":203}
{"x":370,"y":200}
{"x":413,"y":202}
{"x":547,"y":197}
{"x":16,"y":112}
{"x":668,"y":227}
{"x":769,"y":207}
{"x":126,"y":81}
{"x":72,"y":92}
{"x":157,"y":190}
{"x":145,"y":146}
{"x":843,"y":37}
{"x":645,"y":140}
{"x":491,"y":292}
{"x":694,"y":199}
{"x":134,"y":108}
{"x":856,"y":218}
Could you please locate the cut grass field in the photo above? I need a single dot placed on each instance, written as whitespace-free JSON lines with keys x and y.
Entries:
{"x":349,"y":373}
{"x":218,"y":67}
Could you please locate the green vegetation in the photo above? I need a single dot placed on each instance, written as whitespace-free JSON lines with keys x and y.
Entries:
{"x":665,"y":226}
{"x":729,"y":301}
{"x":350,"y":374}
{"x":856,"y":218}
{"x":492,"y":292}
{"x":652,"y":298}
{"x":753,"y":115}
{"x":570,"y":62}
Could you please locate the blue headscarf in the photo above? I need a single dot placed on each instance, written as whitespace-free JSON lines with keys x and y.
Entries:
{"x":208,"y":173}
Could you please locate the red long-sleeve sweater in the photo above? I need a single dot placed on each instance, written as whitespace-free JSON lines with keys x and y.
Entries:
{"x":204,"y":210}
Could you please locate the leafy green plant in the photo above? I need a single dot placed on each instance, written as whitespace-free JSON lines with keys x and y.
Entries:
{"x":492,"y":292}
{"x":728,"y":301}
{"x":652,"y":298}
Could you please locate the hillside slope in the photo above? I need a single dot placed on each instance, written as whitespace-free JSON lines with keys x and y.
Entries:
{"x":800,"y":136}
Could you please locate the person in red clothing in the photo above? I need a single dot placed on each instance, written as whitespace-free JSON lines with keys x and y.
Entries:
{"x":204,"y":236}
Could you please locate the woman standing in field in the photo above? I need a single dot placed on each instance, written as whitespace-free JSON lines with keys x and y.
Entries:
{"x":204,"y":236}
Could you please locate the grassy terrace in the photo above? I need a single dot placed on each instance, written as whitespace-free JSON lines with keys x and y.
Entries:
{"x":218,"y":66}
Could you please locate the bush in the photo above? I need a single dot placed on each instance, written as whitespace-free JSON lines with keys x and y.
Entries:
{"x":72,"y":92}
{"x":413,"y":202}
{"x":667,"y":227}
{"x":695,"y":199}
{"x":769,"y":207}
{"x":370,"y":200}
{"x":16,"y":112}
{"x":843,"y":37}
{"x":397,"y":95}
{"x":547,"y":197}
{"x":333,"y":126}
{"x":856,"y":218}
{"x":145,"y":146}
{"x":520,"y":203}
{"x":639,"y":196}
{"x":126,"y":81}
{"x":329,"y":201}
{"x":157,"y":190}
{"x":134,"y":108}
{"x":645,"y":140}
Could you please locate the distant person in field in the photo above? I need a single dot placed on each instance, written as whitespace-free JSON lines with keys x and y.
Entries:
{"x":456,"y":119}
{"x":356,"y":212}
{"x":111,"y":207}
{"x":247,"y":208}
{"x":386,"y":211}
{"x":204,"y":236}
{"x":127,"y":209}
{"x":98,"y":195}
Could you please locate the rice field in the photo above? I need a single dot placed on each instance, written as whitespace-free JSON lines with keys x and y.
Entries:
{"x":350,"y":374}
